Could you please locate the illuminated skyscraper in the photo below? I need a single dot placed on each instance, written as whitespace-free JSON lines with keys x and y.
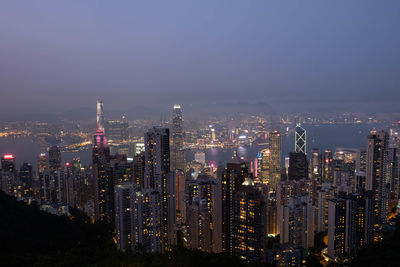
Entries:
{"x":204,"y":218}
{"x":159,"y":179}
{"x":249,"y":223}
{"x":56,"y":179}
{"x":265,"y":166}
{"x":8,"y":175}
{"x":377,"y":145}
{"x":315,"y":172}
{"x":275,"y":165}
{"x":26,"y":180}
{"x":100,"y":115}
{"x":102,"y":176}
{"x":177,"y":152}
{"x":300,"y":140}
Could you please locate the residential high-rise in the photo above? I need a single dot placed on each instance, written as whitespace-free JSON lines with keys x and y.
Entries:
{"x":377,"y":145}
{"x":159,"y":178}
{"x":177,"y":152}
{"x":297,"y":221}
{"x":204,"y":218}
{"x":300,"y":140}
{"x":249,"y":222}
{"x":232,"y":178}
{"x":100,"y":115}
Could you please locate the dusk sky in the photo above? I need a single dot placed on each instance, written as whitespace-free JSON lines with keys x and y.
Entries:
{"x":57,"y":56}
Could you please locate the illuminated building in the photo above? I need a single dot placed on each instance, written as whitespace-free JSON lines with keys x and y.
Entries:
{"x":103,"y":180}
{"x":159,"y":178}
{"x":327,"y":171}
{"x":325,"y":194}
{"x":275,"y":162}
{"x":44,"y":177}
{"x":297,"y":221}
{"x":124,"y":195}
{"x":315,"y":172}
{"x":232,"y":178}
{"x":8,"y":175}
{"x":300,"y":140}
{"x":203,"y":214}
{"x":177,"y":152}
{"x":265,"y":168}
{"x":377,"y":145}
{"x":180,"y":193}
{"x":138,"y":169}
{"x":56,"y":179}
{"x":26,"y":180}
{"x":298,"y":167}
{"x":100,"y":115}
{"x":350,"y":224}
{"x":248,"y":223}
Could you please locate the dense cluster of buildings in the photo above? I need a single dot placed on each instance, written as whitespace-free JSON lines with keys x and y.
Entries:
{"x":155,"y":199}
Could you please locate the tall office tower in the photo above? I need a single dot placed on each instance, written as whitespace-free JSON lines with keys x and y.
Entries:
{"x":272,"y":215}
{"x":376,"y":174}
{"x":300,"y":140}
{"x":350,"y":224}
{"x":102,"y":179}
{"x":204,"y":214}
{"x":177,"y":152}
{"x":232,"y":178}
{"x":265,"y":166}
{"x":275,"y":166}
{"x":298,"y":167}
{"x":138,"y":169}
{"x":159,"y":178}
{"x":325,"y":194}
{"x":124,"y":196}
{"x":248,"y":223}
{"x":100,"y":115}
{"x":327,"y":170}
{"x":26,"y":180}
{"x":315,"y":172}
{"x":297,"y":228}
{"x":8,"y":174}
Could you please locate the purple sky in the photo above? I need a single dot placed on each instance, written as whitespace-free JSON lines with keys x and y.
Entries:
{"x":63,"y":55}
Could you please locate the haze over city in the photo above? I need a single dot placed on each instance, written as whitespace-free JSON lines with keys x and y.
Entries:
{"x":199,"y":133}
{"x":276,"y":56}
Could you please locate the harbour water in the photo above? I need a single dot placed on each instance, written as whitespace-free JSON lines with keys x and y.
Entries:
{"x":323,"y":137}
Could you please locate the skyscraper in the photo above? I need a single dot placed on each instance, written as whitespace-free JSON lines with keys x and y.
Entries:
{"x":249,"y":222}
{"x":177,"y":152}
{"x":102,"y":176}
{"x":298,"y":168}
{"x":100,"y":115}
{"x":56,"y":179}
{"x":159,"y":179}
{"x":26,"y":180}
{"x":377,"y":145}
{"x":300,"y":140}
{"x":275,"y":148}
